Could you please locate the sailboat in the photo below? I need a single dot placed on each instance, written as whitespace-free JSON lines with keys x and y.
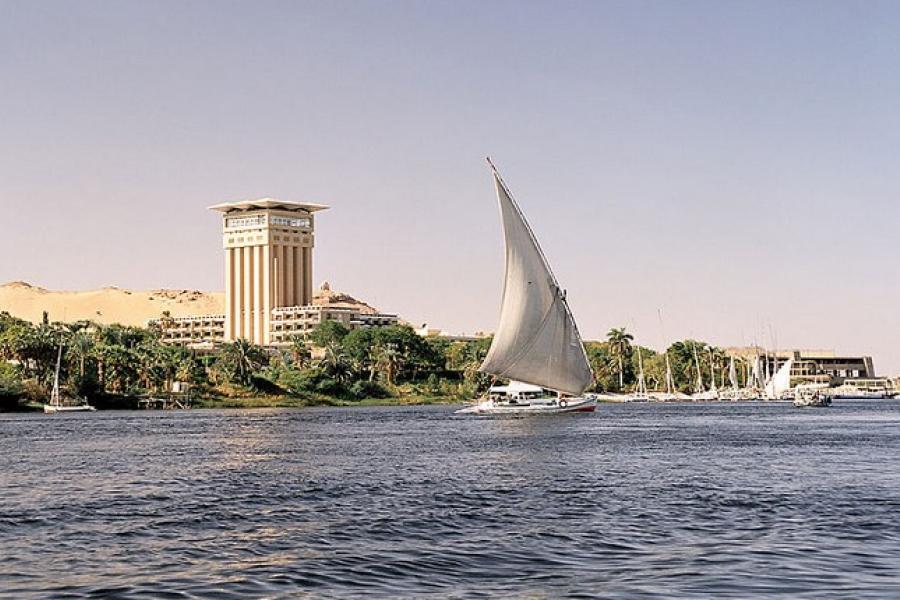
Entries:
{"x":780,"y":382}
{"x":640,"y":390}
{"x":702,"y":394}
{"x":537,"y":345}
{"x":734,"y":393}
{"x":56,"y":404}
{"x":670,"y":395}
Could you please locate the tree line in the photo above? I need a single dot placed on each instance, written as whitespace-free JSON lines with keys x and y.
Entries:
{"x":616,"y":365}
{"x":104,"y":361}
{"x":332,"y":362}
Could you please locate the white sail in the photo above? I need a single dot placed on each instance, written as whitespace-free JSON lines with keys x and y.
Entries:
{"x":670,"y":381}
{"x":780,"y":381}
{"x":698,"y":388}
{"x":54,"y":394}
{"x":537,"y":340}
{"x":756,"y":376}
{"x":641,"y":383}
{"x":732,"y":375}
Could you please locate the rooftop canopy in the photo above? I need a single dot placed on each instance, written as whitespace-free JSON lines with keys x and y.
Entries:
{"x":263,"y":203}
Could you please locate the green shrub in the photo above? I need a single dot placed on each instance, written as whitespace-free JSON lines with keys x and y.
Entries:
{"x":367,"y":389}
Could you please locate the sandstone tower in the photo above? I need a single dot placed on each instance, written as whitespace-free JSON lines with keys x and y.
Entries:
{"x":268,"y":262}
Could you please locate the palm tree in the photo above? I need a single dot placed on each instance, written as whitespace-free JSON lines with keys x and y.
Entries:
{"x":388,"y":360}
{"x":620,"y":349}
{"x":241,"y":359}
{"x":337,"y":364}
{"x":82,"y":346}
{"x":300,"y":352}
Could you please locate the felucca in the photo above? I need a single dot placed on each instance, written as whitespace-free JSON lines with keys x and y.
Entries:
{"x":640,"y":391}
{"x":56,"y":404}
{"x":537,"y":345}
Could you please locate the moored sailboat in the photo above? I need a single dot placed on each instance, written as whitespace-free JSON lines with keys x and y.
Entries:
{"x":702,"y":394}
{"x":640,"y":391}
{"x":56,"y":404}
{"x":537,"y":345}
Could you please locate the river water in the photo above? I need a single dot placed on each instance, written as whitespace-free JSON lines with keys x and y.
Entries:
{"x":640,"y":501}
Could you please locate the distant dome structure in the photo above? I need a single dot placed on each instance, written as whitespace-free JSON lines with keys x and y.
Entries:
{"x":325,"y":287}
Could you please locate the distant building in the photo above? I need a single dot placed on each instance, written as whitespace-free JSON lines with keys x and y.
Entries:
{"x":814,"y":366}
{"x":268,"y":262}
{"x":425,"y":331}
{"x":268,"y":280}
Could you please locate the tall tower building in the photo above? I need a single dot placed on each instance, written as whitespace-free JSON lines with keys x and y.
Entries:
{"x":268,"y":262}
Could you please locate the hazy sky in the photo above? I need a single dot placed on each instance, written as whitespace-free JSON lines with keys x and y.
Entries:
{"x":733,"y":164}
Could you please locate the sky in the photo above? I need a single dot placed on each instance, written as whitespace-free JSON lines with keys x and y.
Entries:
{"x":730,"y":166}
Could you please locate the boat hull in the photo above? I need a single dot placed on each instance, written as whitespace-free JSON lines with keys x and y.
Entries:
{"x":50,"y":409}
{"x":571,"y":405}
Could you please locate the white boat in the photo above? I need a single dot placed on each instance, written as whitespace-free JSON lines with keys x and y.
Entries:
{"x":701,"y":394}
{"x":779,"y":385}
{"x":853,"y":390}
{"x":537,"y":341}
{"x":806,"y":396}
{"x":525,"y":399}
{"x":670,"y":395}
{"x":640,"y":391}
{"x":56,"y":404}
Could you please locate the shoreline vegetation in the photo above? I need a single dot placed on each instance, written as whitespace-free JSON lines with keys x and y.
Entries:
{"x":118,"y":367}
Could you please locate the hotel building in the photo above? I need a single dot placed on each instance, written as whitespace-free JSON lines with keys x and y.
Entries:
{"x":813,"y":366}
{"x":268,"y":247}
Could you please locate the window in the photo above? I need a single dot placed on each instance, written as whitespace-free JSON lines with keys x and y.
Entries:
{"x":291,"y":221}
{"x":254,"y":221}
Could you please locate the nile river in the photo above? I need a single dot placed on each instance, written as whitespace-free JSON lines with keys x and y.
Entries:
{"x":637,"y":501}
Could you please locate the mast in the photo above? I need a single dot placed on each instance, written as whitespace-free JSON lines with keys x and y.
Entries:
{"x":642,"y":385}
{"x":54,"y":394}
{"x":712,"y":371}
{"x":699,"y":386}
{"x":670,"y":381}
{"x":732,"y":375}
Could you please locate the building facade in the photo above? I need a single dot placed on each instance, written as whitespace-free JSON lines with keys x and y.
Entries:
{"x":812,"y":366}
{"x":286,"y":323}
{"x":268,"y":262}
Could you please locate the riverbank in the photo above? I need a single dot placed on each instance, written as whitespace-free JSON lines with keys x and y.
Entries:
{"x":246,"y":402}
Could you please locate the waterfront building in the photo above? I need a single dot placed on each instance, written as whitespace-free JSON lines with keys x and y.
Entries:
{"x":813,"y":366}
{"x":433,"y":332}
{"x":268,"y":247}
{"x":268,"y":262}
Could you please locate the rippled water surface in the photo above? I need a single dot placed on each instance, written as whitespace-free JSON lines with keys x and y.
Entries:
{"x":644,"y":501}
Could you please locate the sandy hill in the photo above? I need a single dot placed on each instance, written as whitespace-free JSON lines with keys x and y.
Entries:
{"x":115,"y":305}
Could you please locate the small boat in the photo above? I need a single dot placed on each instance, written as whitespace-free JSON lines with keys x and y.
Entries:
{"x":537,"y":341}
{"x":811,"y":396}
{"x":701,"y":394}
{"x":56,"y":404}
{"x":640,"y":391}
{"x":670,"y":395}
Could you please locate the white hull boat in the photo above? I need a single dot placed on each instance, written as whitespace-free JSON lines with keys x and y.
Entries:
{"x":56,"y":404}
{"x":550,"y":406}
{"x":537,"y":346}
{"x":49,"y":408}
{"x":669,"y":397}
{"x":809,"y":396}
{"x":816,"y":400}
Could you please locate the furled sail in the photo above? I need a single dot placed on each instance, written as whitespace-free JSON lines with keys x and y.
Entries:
{"x":732,"y":375}
{"x":780,"y":381}
{"x":537,"y":340}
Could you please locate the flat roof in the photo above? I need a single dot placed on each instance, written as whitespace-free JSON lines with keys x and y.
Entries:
{"x":267,"y":203}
